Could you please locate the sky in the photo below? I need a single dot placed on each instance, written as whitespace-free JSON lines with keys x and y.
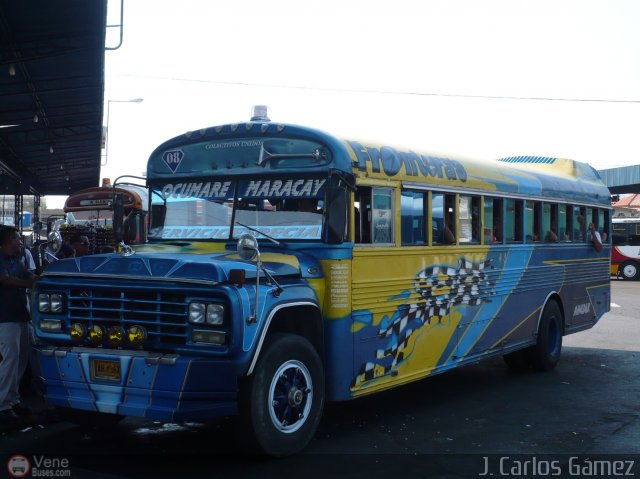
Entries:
{"x":484,"y":79}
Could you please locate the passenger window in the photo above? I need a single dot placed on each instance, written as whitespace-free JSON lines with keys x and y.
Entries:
{"x":469,"y":214}
{"x":498,"y":224}
{"x":443,"y":218}
{"x":550,"y":222}
{"x":564,"y":223}
{"x":513,"y":220}
{"x":412,"y":210}
{"x":382,"y":216}
{"x":373,"y":214}
{"x":579,"y":225}
{"x":529,"y":221}
{"x":488,"y":221}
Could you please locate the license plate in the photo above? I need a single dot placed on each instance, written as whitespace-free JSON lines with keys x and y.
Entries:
{"x":105,"y":370}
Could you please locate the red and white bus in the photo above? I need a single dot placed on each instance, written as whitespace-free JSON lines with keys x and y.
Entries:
{"x":625,"y":251}
{"x":90,"y":212}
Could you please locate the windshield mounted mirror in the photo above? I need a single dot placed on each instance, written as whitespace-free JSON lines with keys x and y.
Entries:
{"x":54,"y":242}
{"x":247,"y":247}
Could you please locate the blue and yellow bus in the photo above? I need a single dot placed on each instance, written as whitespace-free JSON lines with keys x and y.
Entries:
{"x":285,"y":267}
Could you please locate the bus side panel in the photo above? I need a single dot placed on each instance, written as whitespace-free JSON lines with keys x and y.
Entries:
{"x":423,"y":311}
{"x":411,"y":308}
{"x":338,"y":328}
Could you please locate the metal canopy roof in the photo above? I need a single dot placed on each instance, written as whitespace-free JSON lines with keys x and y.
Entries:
{"x":52,"y":91}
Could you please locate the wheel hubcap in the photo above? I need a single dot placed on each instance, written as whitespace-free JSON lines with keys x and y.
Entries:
{"x":629,"y":271}
{"x":290,"y":396}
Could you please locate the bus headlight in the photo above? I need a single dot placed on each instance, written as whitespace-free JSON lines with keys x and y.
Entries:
{"x":51,"y":302}
{"x":56,"y":303}
{"x":197,"y":312}
{"x":206,"y":313}
{"x":215,"y":314}
{"x":44,"y":303}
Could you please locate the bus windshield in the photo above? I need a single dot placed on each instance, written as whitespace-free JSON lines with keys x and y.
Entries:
{"x":285,"y":209}
{"x":91,"y":217}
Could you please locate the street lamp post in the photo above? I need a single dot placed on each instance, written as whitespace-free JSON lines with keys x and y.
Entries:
{"x":106,"y":145}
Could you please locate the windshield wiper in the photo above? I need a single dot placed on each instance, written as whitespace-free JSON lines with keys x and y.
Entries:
{"x":273,"y":240}
{"x":316,"y":154}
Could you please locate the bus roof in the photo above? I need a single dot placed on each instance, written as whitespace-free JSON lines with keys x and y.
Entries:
{"x":260,"y":148}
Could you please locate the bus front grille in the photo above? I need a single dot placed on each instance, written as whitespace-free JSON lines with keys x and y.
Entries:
{"x":161,"y":313}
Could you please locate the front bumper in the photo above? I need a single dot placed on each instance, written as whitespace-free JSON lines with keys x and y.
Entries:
{"x":166,"y":387}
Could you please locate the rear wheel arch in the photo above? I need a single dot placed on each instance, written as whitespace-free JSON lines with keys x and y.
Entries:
{"x":554,"y":296}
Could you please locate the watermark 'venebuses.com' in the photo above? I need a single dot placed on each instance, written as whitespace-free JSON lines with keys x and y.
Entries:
{"x":19,"y":465}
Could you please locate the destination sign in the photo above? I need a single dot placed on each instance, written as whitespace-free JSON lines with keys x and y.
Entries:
{"x":390,"y":161}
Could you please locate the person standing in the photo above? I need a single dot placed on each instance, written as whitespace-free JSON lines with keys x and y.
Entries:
{"x":14,"y":326}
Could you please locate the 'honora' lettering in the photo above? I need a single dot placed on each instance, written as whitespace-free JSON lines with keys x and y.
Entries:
{"x":392,"y":162}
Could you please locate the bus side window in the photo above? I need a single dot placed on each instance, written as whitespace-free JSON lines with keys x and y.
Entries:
{"x":550,"y":222}
{"x":498,"y":223}
{"x":373,"y":212}
{"x":488,"y":221}
{"x":564,"y":223}
{"x":537,"y":216}
{"x":529,"y":221}
{"x":579,"y":225}
{"x":382,"y":216}
{"x":413,"y":209}
{"x":603,"y":224}
{"x":443,"y":218}
{"x":469,"y":214}
{"x":362,"y":214}
{"x":443,"y":222}
{"x":513,"y":220}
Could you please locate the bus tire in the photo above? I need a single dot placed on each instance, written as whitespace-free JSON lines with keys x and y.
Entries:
{"x":281,"y":402}
{"x":545,"y":354}
{"x":88,"y":419}
{"x":629,"y":270}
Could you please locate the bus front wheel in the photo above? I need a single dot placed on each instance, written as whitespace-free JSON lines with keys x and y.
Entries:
{"x":545,"y":354}
{"x":281,"y":402}
{"x":629,"y":270}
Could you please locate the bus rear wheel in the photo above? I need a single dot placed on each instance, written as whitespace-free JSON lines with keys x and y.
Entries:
{"x":629,"y":270}
{"x":545,"y":354}
{"x":281,"y":402}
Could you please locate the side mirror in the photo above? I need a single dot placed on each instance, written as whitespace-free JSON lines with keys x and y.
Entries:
{"x":54,"y":240}
{"x":247,"y":247}
{"x":118,"y":217}
{"x":336,"y":215}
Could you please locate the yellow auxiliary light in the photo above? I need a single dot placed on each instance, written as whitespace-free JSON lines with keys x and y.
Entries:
{"x":137,"y":335}
{"x":116,"y":335}
{"x":96,"y":334}
{"x":77,"y":332}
